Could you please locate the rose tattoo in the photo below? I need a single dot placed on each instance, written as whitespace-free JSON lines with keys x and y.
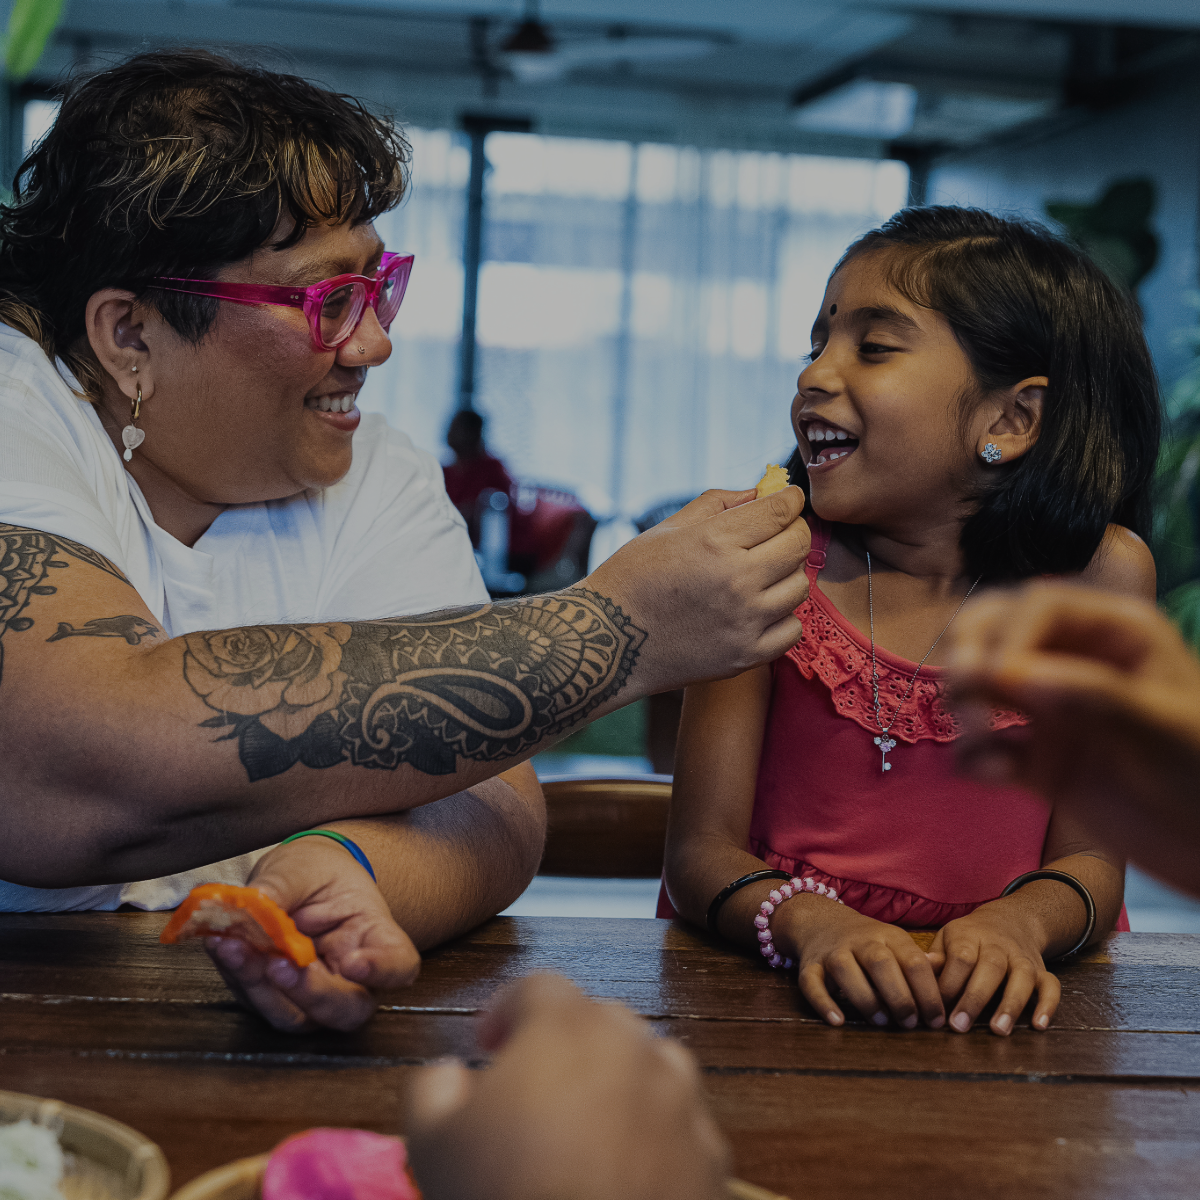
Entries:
{"x":285,"y":675}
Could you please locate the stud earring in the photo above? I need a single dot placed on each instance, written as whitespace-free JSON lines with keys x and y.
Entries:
{"x":991,"y":453}
{"x":362,"y":349}
{"x":131,"y":435}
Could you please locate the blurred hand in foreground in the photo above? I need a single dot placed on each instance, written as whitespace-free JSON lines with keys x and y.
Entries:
{"x":360,"y":947}
{"x":716,"y":584}
{"x":581,"y":1100}
{"x":1113,"y":693}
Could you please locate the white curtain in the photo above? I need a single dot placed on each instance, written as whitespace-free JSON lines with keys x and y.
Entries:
{"x":642,"y":310}
{"x":416,"y":388}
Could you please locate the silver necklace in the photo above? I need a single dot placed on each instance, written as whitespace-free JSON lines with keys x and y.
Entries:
{"x":887,"y":744}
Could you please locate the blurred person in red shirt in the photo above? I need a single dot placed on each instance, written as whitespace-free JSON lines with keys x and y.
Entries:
{"x":541,"y":520}
{"x":473,"y":470}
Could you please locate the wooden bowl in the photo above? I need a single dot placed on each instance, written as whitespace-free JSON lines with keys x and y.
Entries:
{"x":240,"y":1181}
{"x":105,"y":1159}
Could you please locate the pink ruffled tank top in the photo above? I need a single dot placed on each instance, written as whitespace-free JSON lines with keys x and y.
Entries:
{"x":917,"y":846}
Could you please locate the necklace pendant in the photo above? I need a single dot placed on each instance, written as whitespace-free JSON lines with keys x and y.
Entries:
{"x":885,"y":745}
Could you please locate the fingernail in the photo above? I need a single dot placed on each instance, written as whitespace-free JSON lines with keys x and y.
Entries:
{"x":1042,"y":1021}
{"x":834,"y":1018}
{"x":232,"y":953}
{"x":910,"y":1022}
{"x":283,"y":973}
{"x":961,"y":1022}
{"x":937,"y":1022}
{"x":1003,"y":1023}
{"x":880,"y":1018}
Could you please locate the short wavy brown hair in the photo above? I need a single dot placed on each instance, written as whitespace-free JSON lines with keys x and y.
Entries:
{"x":179,"y":163}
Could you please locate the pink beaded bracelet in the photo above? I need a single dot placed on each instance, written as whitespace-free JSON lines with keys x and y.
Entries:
{"x":762,"y":923}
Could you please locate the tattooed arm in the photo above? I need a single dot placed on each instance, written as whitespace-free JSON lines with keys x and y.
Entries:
{"x":128,"y":755}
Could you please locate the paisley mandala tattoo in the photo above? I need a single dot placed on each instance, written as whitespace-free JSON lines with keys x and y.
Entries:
{"x":481,"y":684}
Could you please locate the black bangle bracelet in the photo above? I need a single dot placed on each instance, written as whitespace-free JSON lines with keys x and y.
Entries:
{"x":714,"y":909}
{"x":1071,"y":882}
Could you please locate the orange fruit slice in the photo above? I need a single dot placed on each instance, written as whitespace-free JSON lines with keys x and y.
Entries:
{"x":240,"y":912}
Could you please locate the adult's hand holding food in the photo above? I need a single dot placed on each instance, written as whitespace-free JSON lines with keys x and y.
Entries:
{"x":1113,"y":693}
{"x":581,"y":1100}
{"x":359,"y":946}
{"x":717,"y":584}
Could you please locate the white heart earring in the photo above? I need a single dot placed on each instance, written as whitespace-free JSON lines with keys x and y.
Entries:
{"x":131,"y":435}
{"x":991,"y":453}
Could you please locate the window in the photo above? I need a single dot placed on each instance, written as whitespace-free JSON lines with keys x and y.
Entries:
{"x":642,"y":309}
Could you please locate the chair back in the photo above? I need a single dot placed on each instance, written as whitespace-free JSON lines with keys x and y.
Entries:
{"x":606,"y":828}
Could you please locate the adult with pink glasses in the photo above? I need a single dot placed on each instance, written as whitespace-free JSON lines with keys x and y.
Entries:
{"x":206,"y":552}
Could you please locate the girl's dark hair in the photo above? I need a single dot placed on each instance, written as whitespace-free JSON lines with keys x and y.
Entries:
{"x":1023,"y":302}
{"x":179,"y":164}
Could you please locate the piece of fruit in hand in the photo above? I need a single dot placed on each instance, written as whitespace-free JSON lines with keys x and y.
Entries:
{"x":239,"y":912}
{"x":774,"y":479}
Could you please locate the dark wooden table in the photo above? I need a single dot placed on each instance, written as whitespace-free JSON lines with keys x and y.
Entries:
{"x":1106,"y":1104}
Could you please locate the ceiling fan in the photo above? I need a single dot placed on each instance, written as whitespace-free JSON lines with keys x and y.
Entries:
{"x":534,"y":55}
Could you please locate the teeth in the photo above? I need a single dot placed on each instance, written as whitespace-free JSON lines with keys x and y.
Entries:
{"x":816,"y":436}
{"x":342,"y":403}
{"x":828,"y":456}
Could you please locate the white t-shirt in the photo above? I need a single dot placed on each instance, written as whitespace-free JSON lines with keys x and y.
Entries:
{"x":385,"y":541}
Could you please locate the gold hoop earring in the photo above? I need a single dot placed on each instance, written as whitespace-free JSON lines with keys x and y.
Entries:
{"x":131,"y":435}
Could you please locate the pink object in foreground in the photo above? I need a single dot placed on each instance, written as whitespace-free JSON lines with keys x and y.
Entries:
{"x":339,"y":1164}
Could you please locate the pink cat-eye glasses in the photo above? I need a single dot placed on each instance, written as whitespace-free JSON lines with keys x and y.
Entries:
{"x":334,"y":307}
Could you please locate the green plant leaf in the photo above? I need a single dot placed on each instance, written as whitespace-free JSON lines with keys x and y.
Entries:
{"x":1182,"y":605}
{"x":29,"y":28}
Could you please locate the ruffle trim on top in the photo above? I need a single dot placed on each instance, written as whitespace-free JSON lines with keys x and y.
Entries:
{"x":827,"y":650}
{"x":890,"y":905}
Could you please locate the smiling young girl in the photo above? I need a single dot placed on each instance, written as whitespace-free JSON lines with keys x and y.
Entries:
{"x":979,"y":407}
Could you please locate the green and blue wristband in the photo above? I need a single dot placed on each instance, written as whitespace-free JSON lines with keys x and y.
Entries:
{"x":359,"y":857}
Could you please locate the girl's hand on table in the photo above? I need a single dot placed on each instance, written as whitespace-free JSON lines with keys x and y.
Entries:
{"x":976,"y":954}
{"x":359,"y":946}
{"x":877,"y":967}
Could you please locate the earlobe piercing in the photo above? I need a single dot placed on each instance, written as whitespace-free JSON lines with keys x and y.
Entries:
{"x":362,"y":349}
{"x":991,"y":453}
{"x":131,"y":435}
